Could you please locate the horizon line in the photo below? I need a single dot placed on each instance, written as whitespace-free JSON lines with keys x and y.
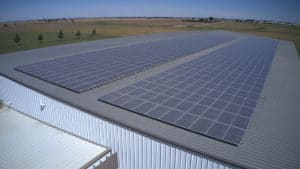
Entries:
{"x":174,"y":17}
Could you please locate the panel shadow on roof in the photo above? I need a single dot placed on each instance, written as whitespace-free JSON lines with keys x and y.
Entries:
{"x":85,"y":71}
{"x":213,"y":95}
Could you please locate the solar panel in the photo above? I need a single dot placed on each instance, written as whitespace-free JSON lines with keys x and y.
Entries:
{"x":213,"y":95}
{"x":85,"y":71}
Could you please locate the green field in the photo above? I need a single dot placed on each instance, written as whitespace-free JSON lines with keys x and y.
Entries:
{"x":108,"y":28}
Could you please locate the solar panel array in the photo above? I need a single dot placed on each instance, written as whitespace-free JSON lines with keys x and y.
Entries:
{"x":85,"y":71}
{"x":214,"y":95}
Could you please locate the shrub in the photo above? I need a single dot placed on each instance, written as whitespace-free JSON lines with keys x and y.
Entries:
{"x":17,"y":39}
{"x":78,"y":34}
{"x":40,"y":37}
{"x":93,"y":32}
{"x":60,"y":35}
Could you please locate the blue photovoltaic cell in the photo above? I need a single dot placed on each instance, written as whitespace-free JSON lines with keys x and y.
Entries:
{"x":85,"y":71}
{"x":213,"y":95}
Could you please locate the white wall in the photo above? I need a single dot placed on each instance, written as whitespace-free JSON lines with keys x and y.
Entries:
{"x":135,"y":151}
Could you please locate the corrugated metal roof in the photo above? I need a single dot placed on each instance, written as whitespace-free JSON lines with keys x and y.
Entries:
{"x":271,"y":141}
{"x":28,"y":143}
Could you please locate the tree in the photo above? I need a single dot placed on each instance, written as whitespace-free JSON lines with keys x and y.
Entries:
{"x":210,"y":19}
{"x":17,"y":39}
{"x":40,"y":37}
{"x":60,"y":35}
{"x":201,"y":20}
{"x":93,"y":32}
{"x":78,"y":34}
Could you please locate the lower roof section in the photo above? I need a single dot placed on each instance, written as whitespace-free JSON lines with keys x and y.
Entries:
{"x":28,"y":143}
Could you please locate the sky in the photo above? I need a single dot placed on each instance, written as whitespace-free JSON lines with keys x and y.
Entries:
{"x":278,"y":10}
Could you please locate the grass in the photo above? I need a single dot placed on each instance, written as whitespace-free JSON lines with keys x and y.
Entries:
{"x":108,"y":28}
{"x":29,"y":40}
{"x":268,"y":30}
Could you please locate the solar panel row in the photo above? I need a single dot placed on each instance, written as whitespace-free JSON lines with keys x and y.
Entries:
{"x":85,"y":71}
{"x":214,"y":95}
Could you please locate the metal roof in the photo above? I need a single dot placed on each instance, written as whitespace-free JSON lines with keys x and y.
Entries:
{"x":271,"y":140}
{"x":28,"y":143}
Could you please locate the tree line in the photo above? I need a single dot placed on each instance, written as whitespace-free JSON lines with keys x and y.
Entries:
{"x":60,"y":36}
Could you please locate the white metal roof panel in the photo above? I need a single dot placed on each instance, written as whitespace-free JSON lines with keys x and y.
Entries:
{"x":28,"y":143}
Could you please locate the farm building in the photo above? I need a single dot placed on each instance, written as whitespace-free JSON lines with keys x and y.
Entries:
{"x":189,"y":100}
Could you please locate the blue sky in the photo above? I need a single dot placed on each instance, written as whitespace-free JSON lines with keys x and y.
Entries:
{"x":282,"y":10}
